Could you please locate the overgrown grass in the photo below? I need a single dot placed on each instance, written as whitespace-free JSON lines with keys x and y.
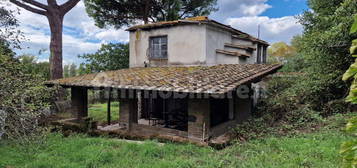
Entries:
{"x":99,"y":112}
{"x":317,"y":149}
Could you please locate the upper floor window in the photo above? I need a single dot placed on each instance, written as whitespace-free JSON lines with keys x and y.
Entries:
{"x":158,"y":47}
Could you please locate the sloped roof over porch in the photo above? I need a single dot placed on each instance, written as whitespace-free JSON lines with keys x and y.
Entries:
{"x":217,"y":79}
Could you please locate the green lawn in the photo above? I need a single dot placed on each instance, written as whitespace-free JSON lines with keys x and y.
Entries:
{"x":99,"y":112}
{"x":318,"y":149}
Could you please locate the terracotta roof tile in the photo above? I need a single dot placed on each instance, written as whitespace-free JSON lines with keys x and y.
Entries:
{"x":217,"y":79}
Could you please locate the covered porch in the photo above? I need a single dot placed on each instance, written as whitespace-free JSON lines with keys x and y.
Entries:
{"x":194,"y":103}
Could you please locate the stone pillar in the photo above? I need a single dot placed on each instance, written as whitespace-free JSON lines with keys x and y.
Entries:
{"x":79,"y":98}
{"x":128,"y":112}
{"x":243,"y":106}
{"x":198,"y":119}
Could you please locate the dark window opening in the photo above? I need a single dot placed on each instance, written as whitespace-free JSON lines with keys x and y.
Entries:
{"x":265,"y":54}
{"x":166,"y":113}
{"x":158,"y":47}
{"x":259,"y":54}
{"x":219,"y":111}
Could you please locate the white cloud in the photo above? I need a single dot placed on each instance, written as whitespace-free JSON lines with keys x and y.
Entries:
{"x":239,"y":8}
{"x":113,"y":35}
{"x":272,"y":29}
{"x":254,"y":10}
{"x":245,"y":15}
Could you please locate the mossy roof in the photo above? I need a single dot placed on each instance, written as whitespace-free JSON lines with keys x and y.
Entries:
{"x":217,"y":79}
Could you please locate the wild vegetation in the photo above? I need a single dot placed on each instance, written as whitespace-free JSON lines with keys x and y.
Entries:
{"x":317,"y":149}
{"x":349,"y":149}
{"x":314,"y":90}
{"x":24,"y":99}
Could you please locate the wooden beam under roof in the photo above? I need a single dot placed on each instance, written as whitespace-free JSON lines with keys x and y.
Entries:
{"x":225,"y":52}
{"x":243,"y":37}
{"x":245,"y":47}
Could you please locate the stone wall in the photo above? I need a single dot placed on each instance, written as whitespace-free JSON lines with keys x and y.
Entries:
{"x":242,"y":112}
{"x":199,"y":119}
{"x":79,"y":102}
{"x":243,"y":108}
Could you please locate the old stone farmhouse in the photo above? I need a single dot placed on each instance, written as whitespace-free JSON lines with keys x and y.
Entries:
{"x":188,"y":78}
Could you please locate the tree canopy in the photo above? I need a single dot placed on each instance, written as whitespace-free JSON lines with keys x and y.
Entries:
{"x":281,"y":50}
{"x":323,"y":57}
{"x":124,"y":13}
{"x":325,"y":45}
{"x":108,"y":57}
{"x":9,"y":34}
{"x":30,"y":65}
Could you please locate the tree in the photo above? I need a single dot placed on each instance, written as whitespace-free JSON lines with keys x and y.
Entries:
{"x":82,"y":69}
{"x":73,"y":70}
{"x":108,"y":57}
{"x":66,"y":71}
{"x":349,"y":148}
{"x":325,"y":44}
{"x":8,"y":28}
{"x":125,"y":13}
{"x":351,"y":73}
{"x":5,"y":49}
{"x":55,"y":14}
{"x":322,"y":60}
{"x":281,"y":51}
{"x":30,"y":65}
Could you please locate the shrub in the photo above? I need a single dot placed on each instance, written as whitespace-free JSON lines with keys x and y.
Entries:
{"x":24,"y":99}
{"x":349,"y":148}
{"x":294,"y":64}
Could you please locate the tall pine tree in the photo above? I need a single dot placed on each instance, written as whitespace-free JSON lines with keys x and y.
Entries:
{"x":123,"y":13}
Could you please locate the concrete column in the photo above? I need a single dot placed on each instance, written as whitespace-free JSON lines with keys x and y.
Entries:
{"x":198,"y":119}
{"x":243,"y":106}
{"x":128,"y":112}
{"x":79,"y":98}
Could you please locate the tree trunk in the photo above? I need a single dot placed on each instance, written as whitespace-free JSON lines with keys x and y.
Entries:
{"x":146,"y":12}
{"x":56,"y":26}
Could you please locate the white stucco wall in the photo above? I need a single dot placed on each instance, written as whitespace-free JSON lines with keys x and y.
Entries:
{"x":186,"y":45}
{"x":216,"y":38}
{"x":190,"y":45}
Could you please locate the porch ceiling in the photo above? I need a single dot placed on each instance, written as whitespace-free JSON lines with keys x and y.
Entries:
{"x":217,"y":79}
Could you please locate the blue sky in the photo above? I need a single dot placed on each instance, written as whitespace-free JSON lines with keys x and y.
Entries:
{"x":275,"y":17}
{"x":281,"y":8}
